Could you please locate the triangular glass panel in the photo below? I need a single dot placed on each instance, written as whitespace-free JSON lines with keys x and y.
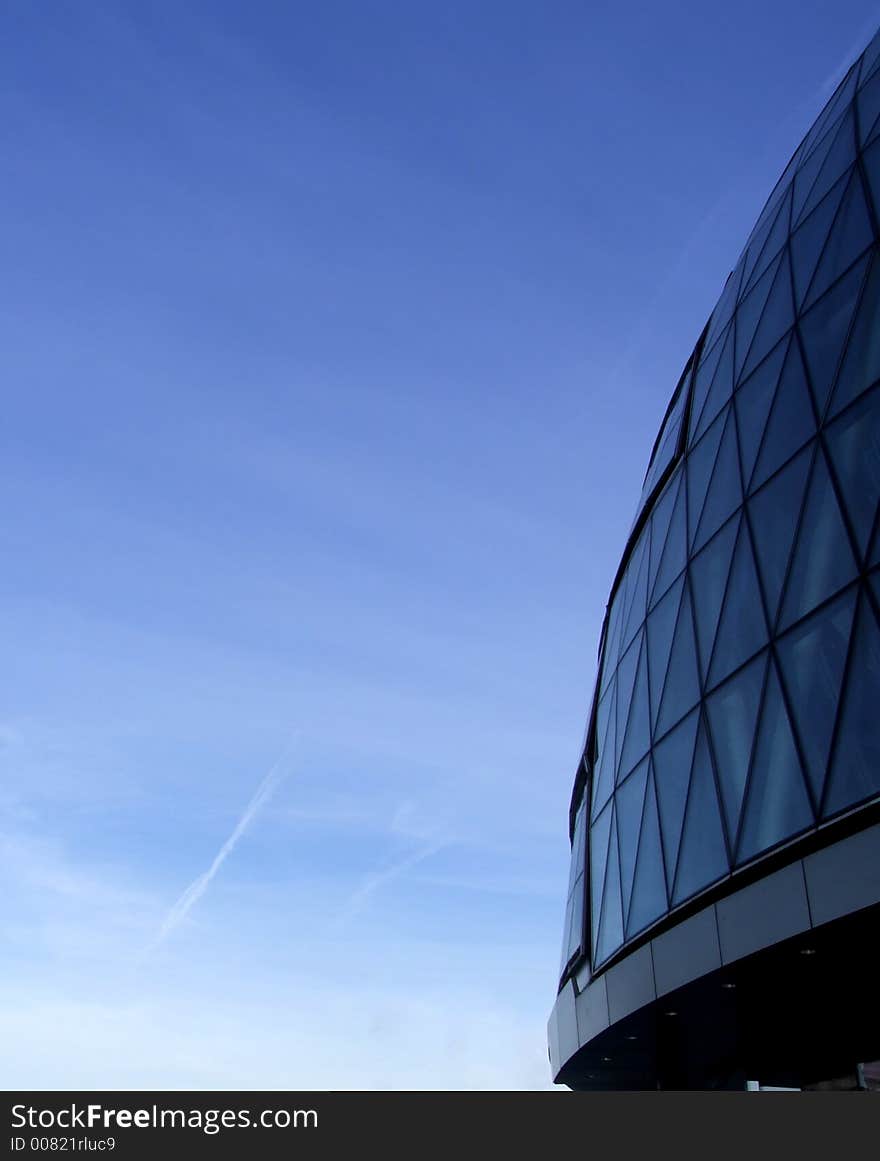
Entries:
{"x":611,"y":926}
{"x":853,"y":443}
{"x":812,"y":658}
{"x":605,"y":719}
{"x":682,"y":688}
{"x":672,"y":760}
{"x":660,"y":518}
{"x":824,"y":330}
{"x":626,"y":676}
{"x":725,"y":490}
{"x":870,"y":59}
{"x":835,"y":108}
{"x":637,"y":589}
{"x":777,"y":319}
{"x":719,"y":391}
{"x":674,"y":555}
{"x":769,"y":243}
{"x":777,"y":805}
{"x":578,"y":847}
{"x":792,"y":421}
{"x":661,"y":624}
{"x":600,"y":833}
{"x":861,"y":362}
{"x":749,"y":313}
{"x":724,"y":308}
{"x":703,"y":856}
{"x":603,"y":771}
{"x":700,"y":465}
{"x":808,"y":241}
{"x":868,"y":104}
{"x":836,"y":159}
{"x":871,"y":162}
{"x":662,"y":459}
{"x":823,"y":561}
{"x":576,"y":922}
{"x":850,"y":236}
{"x":733,"y":711}
{"x":774,"y":514}
{"x":637,"y":739}
{"x":703,"y":377}
{"x":630,"y":799}
{"x":753,"y":401}
{"x":741,"y":627}
{"x":566,"y":936}
{"x":709,"y":572}
{"x":874,"y":556}
{"x":855,"y":767}
{"x":648,"y":901}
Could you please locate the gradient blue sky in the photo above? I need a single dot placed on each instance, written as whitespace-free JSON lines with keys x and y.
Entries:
{"x":335,"y":340}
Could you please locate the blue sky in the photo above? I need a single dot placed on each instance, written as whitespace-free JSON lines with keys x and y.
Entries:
{"x":335,"y":341}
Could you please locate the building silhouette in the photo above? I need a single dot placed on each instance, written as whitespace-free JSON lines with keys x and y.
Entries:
{"x":724,"y":893}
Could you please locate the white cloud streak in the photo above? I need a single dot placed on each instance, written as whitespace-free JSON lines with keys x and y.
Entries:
{"x":197,"y":888}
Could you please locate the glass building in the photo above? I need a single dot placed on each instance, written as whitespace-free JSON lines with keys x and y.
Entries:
{"x":725,"y":819}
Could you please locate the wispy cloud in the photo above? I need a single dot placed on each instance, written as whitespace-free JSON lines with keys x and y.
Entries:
{"x":194,"y":892}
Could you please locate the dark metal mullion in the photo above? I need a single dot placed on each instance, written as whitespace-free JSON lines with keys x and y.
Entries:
{"x":835,"y":129}
{"x":802,"y":306}
{"x":795,"y":730}
{"x":763,"y":439}
{"x":747,"y":785}
{"x":722,"y":607}
{"x":690,"y":788}
{"x":779,"y":261}
{"x":795,"y":541}
{"x":842,"y":699}
{"x":861,"y":562}
{"x":722,"y":814}
{"x":648,"y":782}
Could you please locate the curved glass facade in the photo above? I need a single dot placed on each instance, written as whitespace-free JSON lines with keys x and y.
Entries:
{"x":737,"y":705}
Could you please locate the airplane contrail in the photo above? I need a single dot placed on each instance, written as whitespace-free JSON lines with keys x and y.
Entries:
{"x":196,"y":889}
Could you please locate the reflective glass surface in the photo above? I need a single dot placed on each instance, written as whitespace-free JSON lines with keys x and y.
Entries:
{"x":739,"y":682}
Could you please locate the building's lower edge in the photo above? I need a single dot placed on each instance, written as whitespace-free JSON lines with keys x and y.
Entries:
{"x":773,"y":984}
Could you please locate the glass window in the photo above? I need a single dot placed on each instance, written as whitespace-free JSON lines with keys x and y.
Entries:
{"x":717,"y":393}
{"x":702,"y":858}
{"x":630,"y":799}
{"x":777,"y":319}
{"x":823,"y":561}
{"x":700,"y":464}
{"x":660,"y":627}
{"x":672,"y":760}
{"x":741,"y":628}
{"x":638,"y":727}
{"x":812,"y":658}
{"x":777,"y":805}
{"x":709,"y":572}
{"x":749,"y":313}
{"x":732,"y":711}
{"x":861,"y":363}
{"x":671,"y":561}
{"x":773,"y":514}
{"x":648,"y":899}
{"x":753,"y":402}
{"x":682,"y":687}
{"x":850,"y":236}
{"x":855,"y":769}
{"x":725,"y":491}
{"x":824,"y":330}
{"x":853,"y":443}
{"x":791,"y":421}
{"x":808,"y":240}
